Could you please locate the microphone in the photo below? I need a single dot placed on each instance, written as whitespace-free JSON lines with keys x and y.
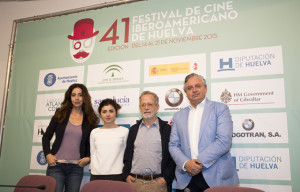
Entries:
{"x":41,"y":187}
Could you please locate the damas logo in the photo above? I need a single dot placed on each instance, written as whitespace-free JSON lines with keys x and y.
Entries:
{"x":82,"y":41}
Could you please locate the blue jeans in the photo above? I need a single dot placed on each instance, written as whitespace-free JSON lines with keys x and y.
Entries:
{"x":67,"y":176}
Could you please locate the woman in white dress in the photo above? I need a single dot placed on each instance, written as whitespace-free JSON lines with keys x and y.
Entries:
{"x":108,"y":144}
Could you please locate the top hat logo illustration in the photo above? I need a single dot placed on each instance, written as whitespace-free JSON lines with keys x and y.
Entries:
{"x":83,"y":29}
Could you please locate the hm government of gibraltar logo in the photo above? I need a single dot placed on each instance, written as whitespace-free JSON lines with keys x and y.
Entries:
{"x":248,"y":124}
{"x":174,"y":97}
{"x":112,"y":69}
{"x":41,"y":159}
{"x":82,"y":41}
{"x":225,"y":96}
{"x":50,"y":79}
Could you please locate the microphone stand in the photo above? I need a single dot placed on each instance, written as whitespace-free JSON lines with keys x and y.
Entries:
{"x":41,"y":187}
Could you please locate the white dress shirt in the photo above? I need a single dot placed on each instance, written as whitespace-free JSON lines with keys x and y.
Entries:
{"x":195,"y":117}
{"x":194,"y":122}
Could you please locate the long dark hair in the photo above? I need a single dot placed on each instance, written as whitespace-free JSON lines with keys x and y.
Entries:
{"x":67,"y":106}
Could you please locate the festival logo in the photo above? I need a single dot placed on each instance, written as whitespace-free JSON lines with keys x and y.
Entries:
{"x":82,"y":41}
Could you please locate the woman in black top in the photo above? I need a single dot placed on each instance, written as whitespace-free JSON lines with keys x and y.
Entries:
{"x":72,"y":124}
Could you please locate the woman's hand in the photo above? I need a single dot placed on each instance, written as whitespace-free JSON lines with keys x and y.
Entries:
{"x":51,"y":159}
{"x":84,"y":161}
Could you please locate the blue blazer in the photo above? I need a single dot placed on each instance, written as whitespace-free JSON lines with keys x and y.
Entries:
{"x":215,"y":139}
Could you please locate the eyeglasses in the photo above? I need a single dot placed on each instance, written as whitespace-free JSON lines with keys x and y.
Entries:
{"x":147,"y":105}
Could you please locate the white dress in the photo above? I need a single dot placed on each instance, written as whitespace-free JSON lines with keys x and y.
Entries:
{"x":107,"y":150}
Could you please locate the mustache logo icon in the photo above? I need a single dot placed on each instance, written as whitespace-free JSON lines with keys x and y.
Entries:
{"x":82,"y":54}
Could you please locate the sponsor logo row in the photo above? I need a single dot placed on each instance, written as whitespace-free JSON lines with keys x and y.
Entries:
{"x":226,"y":64}
{"x":250,"y":163}
{"x":247,"y":128}
{"x":255,"y":94}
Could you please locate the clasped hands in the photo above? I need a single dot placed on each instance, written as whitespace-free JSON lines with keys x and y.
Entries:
{"x":193,"y":167}
{"x":51,"y":159}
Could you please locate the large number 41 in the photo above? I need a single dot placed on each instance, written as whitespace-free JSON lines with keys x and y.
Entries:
{"x":113,"y":29}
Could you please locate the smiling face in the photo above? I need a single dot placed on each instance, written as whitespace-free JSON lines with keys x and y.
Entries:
{"x":148,"y":107}
{"x":76,"y":97}
{"x":108,"y":114}
{"x":195,"y":90}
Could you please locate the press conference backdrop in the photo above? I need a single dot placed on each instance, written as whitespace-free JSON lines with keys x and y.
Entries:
{"x":247,"y":50}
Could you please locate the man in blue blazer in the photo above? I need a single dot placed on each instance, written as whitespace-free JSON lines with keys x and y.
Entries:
{"x":200,"y":140}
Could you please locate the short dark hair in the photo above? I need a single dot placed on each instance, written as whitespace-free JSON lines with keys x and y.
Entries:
{"x":106,"y":102}
{"x":191,"y":76}
{"x":150,"y":93}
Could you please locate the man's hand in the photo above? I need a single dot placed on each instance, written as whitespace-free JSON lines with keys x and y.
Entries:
{"x":193,"y":167}
{"x":130,"y":179}
{"x":161,"y":181}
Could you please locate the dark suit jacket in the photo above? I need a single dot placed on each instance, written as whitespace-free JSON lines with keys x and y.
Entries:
{"x":167,"y":164}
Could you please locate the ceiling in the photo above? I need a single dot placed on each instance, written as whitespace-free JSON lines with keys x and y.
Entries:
{"x":14,"y":0}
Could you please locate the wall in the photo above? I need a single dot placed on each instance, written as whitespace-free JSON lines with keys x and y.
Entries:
{"x":258,"y":34}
